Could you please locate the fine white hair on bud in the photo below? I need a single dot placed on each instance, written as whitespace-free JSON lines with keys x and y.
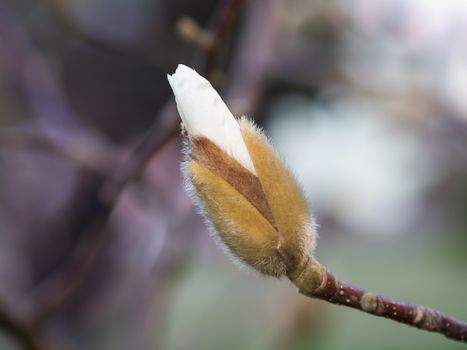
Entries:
{"x":246,"y":193}
{"x":204,"y":113}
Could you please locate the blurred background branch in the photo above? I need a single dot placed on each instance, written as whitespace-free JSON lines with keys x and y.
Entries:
{"x":105,"y":189}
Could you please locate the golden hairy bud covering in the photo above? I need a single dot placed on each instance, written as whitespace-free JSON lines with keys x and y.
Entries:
{"x":251,"y":201}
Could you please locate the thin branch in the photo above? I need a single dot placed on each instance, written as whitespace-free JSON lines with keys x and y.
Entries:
{"x":316,"y":281}
{"x":217,"y":30}
{"x":208,"y":40}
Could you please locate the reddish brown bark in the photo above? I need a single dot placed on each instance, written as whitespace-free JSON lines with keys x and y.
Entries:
{"x":316,"y":281}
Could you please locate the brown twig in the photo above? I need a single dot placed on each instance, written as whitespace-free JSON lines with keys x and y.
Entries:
{"x":315,"y":281}
{"x":218,"y":29}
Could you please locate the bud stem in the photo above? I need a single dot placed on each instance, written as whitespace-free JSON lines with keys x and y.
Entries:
{"x":316,"y":281}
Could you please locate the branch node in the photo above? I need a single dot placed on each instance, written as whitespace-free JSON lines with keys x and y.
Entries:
{"x":189,"y":30}
{"x":369,"y":302}
{"x":311,"y":278}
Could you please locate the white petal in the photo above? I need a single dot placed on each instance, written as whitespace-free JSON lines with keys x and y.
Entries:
{"x":205,"y":114}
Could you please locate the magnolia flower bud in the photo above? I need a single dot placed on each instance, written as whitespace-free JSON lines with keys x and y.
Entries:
{"x":251,"y":201}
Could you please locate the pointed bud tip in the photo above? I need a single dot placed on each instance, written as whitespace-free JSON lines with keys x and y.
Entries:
{"x":184,"y":76}
{"x":205,"y":114}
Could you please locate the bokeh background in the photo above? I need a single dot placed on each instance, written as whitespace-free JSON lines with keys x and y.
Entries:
{"x":366,"y":100}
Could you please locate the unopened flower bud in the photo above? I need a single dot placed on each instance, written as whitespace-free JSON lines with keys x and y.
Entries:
{"x":252,"y":202}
